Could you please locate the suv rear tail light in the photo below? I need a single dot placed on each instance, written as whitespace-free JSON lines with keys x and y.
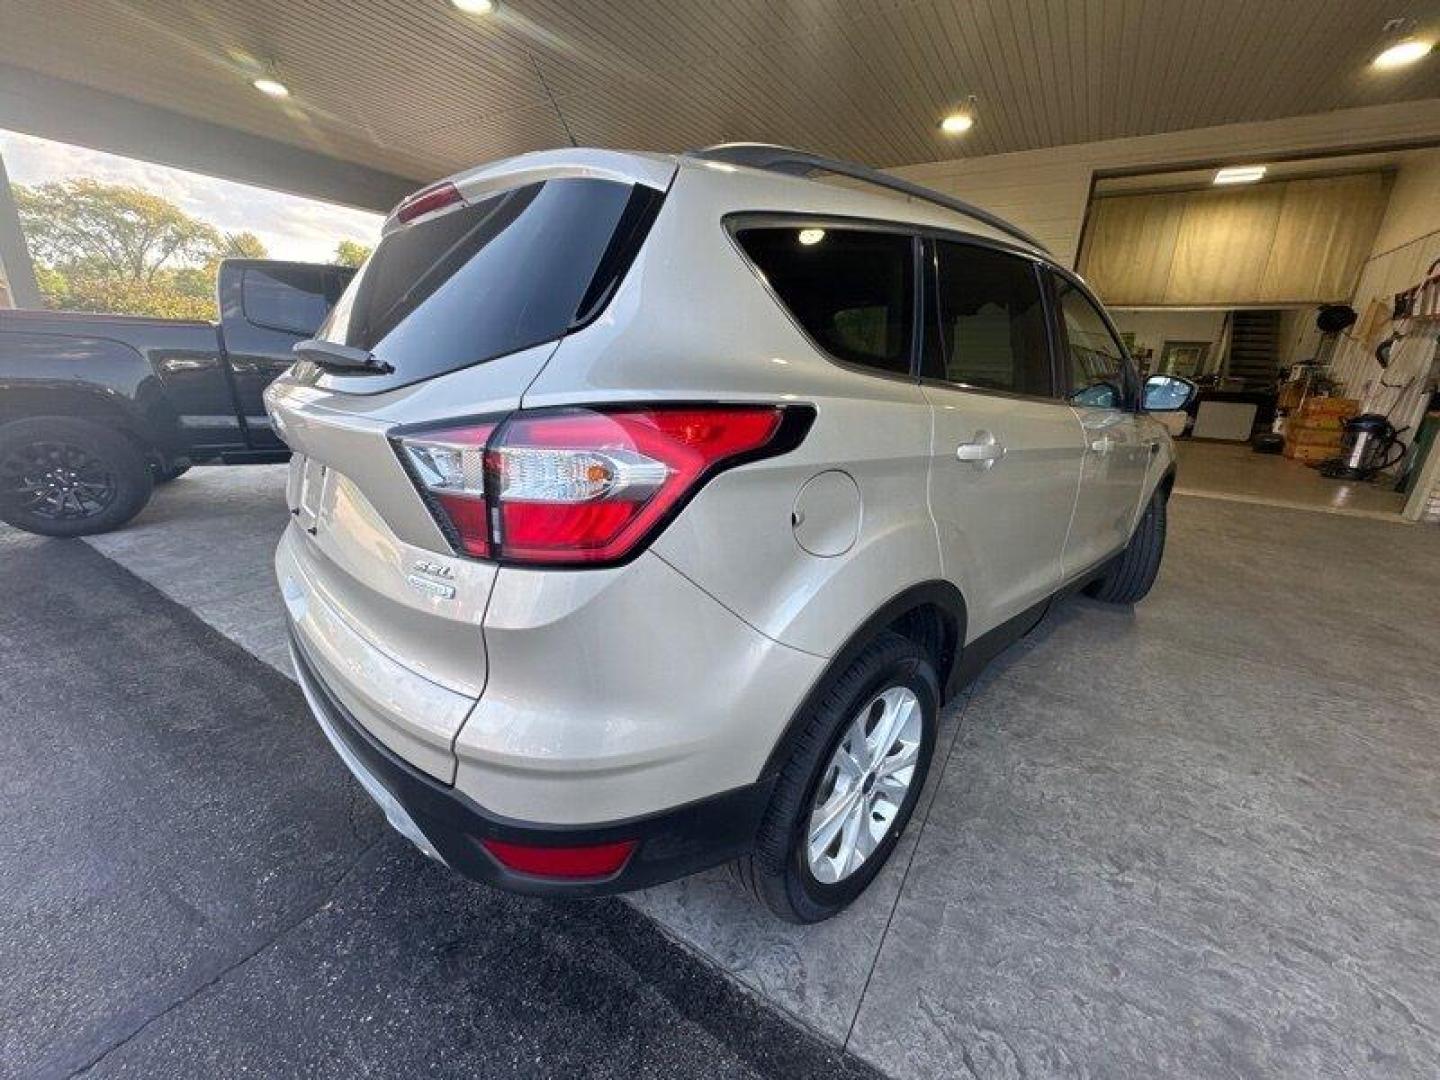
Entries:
{"x":580,"y":486}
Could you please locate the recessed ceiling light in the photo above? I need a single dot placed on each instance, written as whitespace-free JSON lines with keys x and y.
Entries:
{"x":271,"y":87}
{"x":1405,"y":52}
{"x":475,"y":7}
{"x":1240,"y":174}
{"x":957,"y":123}
{"x":811,"y":237}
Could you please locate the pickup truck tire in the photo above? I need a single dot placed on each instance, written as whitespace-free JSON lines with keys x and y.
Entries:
{"x":165,"y":473}
{"x":60,"y":476}
{"x":851,"y":721}
{"x":1134,"y":572}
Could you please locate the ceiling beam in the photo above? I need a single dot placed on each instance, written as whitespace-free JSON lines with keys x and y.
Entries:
{"x":51,"y":108}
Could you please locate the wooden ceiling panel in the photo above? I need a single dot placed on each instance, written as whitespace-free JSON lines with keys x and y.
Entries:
{"x":418,"y":88}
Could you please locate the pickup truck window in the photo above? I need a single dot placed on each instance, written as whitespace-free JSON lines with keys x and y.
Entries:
{"x":292,"y":299}
{"x":506,"y":273}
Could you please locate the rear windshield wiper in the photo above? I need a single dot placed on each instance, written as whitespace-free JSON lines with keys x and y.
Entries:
{"x":333,"y":356}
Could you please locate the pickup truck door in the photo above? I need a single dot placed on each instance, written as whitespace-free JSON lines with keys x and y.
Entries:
{"x":1103,"y":391}
{"x":1006,"y":451}
{"x":265,"y":308}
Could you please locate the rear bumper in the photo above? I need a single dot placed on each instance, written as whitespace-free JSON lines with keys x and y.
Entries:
{"x":670,"y":844}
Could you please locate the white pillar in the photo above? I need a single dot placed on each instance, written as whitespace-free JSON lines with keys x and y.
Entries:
{"x":14,"y":253}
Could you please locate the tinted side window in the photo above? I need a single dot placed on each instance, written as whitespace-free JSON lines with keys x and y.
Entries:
{"x":1098,"y":374}
{"x":286,"y":298}
{"x":851,"y":290}
{"x":992,"y":320}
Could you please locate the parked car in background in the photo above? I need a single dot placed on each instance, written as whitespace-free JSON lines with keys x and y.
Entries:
{"x":97,"y":409}
{"x":646,"y":509}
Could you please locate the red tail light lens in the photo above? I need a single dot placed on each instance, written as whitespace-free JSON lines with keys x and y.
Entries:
{"x":577,"y":486}
{"x":427,"y":201}
{"x":590,"y":861}
{"x":449,"y":467}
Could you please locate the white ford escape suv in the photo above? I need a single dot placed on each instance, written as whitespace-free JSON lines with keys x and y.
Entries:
{"x":646,"y":509}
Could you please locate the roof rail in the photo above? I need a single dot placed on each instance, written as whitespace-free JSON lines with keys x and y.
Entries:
{"x":784,"y":159}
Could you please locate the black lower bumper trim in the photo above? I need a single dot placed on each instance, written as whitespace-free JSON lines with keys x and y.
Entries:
{"x":671,"y":844}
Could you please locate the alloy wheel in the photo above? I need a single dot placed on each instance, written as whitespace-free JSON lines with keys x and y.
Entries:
{"x":864,"y":785}
{"x":57,"y":481}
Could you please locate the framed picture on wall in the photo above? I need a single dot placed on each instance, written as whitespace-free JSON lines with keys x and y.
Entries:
{"x":1183,"y":358}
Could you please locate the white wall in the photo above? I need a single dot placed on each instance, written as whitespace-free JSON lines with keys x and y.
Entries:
{"x":1046,"y":191}
{"x":1153,"y":327}
{"x":1407,"y":243}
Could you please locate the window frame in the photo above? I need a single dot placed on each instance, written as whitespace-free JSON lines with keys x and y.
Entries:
{"x":1061,"y":340}
{"x":932,"y":359}
{"x":736,"y":223}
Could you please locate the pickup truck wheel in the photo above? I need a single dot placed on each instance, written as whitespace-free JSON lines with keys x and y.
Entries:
{"x":850,"y":786}
{"x":165,"y":473}
{"x":65,"y":477}
{"x":1134,"y":571}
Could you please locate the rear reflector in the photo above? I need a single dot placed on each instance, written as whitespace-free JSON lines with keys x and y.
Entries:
{"x":427,"y":201}
{"x":589,"y":861}
{"x":580,"y":486}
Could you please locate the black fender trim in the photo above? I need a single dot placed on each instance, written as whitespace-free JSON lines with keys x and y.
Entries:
{"x":940,"y":594}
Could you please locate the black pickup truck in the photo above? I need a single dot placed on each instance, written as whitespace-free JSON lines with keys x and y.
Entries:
{"x":97,"y":409}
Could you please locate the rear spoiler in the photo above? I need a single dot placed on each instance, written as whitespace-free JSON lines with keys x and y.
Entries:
{"x":649,"y":170}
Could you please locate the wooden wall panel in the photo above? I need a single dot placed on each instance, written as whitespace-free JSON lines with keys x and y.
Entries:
{"x":1131,"y":245}
{"x":1296,"y":241}
{"x":1224,"y":244}
{"x":1323,"y":237}
{"x":1046,"y":191}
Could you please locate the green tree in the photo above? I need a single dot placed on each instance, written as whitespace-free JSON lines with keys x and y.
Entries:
{"x":350,"y":253}
{"x":112,"y":247}
{"x":111,"y":231}
{"x":242,"y":245}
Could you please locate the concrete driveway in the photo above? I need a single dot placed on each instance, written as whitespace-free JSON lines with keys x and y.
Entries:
{"x":1197,"y":839}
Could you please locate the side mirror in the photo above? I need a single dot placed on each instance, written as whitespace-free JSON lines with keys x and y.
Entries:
{"x":1169,"y":393}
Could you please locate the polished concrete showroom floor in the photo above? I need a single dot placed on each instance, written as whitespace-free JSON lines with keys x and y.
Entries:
{"x":1195,"y":839}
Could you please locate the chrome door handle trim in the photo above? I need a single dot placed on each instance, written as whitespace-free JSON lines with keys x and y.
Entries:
{"x":983,"y":451}
{"x":1102,"y":445}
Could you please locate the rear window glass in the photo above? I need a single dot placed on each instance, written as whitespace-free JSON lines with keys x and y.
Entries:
{"x":507,"y":273}
{"x":852,"y":290}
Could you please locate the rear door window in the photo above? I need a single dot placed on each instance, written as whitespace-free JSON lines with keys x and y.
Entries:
{"x":515,"y":270}
{"x":993,"y":332}
{"x":851,"y":290}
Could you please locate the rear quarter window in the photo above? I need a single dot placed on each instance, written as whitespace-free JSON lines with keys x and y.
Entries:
{"x":851,"y":290}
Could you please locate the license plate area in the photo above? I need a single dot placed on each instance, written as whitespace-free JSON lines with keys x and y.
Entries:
{"x":305,"y":490}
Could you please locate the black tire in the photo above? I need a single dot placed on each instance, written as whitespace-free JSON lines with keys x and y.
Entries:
{"x":165,"y":473}
{"x":778,"y":871}
{"x":1134,"y":572}
{"x":104,"y":481}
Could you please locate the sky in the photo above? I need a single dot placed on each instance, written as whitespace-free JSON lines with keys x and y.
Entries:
{"x":290,"y":227}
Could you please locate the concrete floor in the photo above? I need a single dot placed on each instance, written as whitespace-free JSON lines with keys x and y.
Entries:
{"x":194,"y":886}
{"x":1200,"y":838}
{"x":1235,"y":472}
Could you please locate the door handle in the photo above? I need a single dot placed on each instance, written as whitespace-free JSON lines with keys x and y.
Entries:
{"x":984,"y":450}
{"x":1101,"y":445}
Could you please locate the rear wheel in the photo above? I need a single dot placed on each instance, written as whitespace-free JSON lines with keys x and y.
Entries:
{"x":850,"y":786}
{"x":65,"y":477}
{"x":1134,"y":571}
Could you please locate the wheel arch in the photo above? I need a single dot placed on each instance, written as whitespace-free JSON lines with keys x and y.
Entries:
{"x":931,"y":613}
